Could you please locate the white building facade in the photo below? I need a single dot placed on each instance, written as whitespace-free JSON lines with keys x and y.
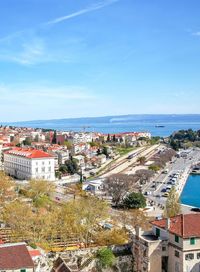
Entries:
{"x":28,"y":164}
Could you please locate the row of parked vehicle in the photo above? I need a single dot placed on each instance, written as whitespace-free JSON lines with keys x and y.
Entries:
{"x":173,"y":181}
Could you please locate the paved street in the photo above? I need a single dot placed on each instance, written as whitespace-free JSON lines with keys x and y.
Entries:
{"x":157,"y":187}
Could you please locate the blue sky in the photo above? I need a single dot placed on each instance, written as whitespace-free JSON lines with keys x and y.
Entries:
{"x":76,"y":58}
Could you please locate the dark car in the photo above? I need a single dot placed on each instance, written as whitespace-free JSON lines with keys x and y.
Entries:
{"x":195,"y":209}
{"x":163,"y":190}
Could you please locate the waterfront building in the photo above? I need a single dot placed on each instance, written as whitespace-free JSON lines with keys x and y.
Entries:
{"x":173,"y":245}
{"x":23,"y":163}
{"x":146,"y":249}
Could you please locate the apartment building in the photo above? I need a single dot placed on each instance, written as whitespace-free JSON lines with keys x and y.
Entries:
{"x":174,"y":242}
{"x":146,"y":249}
{"x":29,"y":164}
{"x":183,"y":233}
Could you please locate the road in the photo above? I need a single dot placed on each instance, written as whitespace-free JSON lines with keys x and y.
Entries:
{"x":161,"y":182}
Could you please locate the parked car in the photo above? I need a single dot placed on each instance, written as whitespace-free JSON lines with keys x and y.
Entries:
{"x":195,"y":209}
{"x":165,"y":195}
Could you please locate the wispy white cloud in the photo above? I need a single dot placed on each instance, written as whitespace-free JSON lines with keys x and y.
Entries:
{"x":197,"y":33}
{"x":32,"y":92}
{"x":30,"y":51}
{"x":27,"y":48}
{"x":32,"y":101}
{"x":91,"y":8}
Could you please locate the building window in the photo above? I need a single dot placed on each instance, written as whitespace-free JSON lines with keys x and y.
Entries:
{"x":163,"y":248}
{"x":176,"y":253}
{"x":198,"y":255}
{"x":192,"y":241}
{"x":49,"y":169}
{"x":176,"y":239}
{"x":158,"y":232}
{"x":36,"y":170}
{"x":189,"y":256}
{"x":43,"y":169}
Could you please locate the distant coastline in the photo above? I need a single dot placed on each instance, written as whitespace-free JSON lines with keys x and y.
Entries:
{"x":120,"y":123}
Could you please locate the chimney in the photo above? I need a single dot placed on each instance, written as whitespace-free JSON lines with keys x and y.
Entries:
{"x":138,"y":230}
{"x":167,"y":223}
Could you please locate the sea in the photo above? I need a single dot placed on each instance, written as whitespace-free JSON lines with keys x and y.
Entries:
{"x":191,"y":192}
{"x":158,"y":124}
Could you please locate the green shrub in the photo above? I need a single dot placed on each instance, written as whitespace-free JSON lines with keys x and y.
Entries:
{"x":105,"y":257}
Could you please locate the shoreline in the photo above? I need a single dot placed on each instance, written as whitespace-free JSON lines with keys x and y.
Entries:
{"x":186,"y":174}
{"x":183,"y":180}
{"x":188,"y":206}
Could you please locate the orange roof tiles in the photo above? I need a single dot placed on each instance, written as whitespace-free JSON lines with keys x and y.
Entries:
{"x":29,"y":153}
{"x":187,"y":225}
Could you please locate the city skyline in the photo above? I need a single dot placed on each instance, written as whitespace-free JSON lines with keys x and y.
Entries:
{"x":98,"y":58}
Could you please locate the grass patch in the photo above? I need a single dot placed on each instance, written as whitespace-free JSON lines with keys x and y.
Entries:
{"x":124,"y":150}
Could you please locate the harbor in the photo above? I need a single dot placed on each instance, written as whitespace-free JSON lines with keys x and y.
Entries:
{"x":191,"y":191}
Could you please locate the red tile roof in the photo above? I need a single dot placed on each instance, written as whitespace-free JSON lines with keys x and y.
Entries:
{"x":15,"y":257}
{"x":29,"y":153}
{"x":34,"y":253}
{"x":187,"y":225}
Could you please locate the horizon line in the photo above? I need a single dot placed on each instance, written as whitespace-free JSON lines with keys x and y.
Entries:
{"x":93,"y":117}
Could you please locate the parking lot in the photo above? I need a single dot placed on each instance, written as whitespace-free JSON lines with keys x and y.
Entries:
{"x":175,"y":174}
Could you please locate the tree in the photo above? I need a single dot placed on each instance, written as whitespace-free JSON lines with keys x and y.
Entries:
{"x":6,"y":188}
{"x":105,"y":257}
{"x":118,"y":185}
{"x":63,"y":169}
{"x":72,"y":166}
{"x":111,"y":237}
{"x":154,"y":167}
{"x":68,"y":144}
{"x":108,"y":138}
{"x":172,"y":207}
{"x":144,"y":175}
{"x":94,"y":144}
{"x":133,"y":218}
{"x":54,"y":139}
{"x":105,"y":151}
{"x":18,"y":216}
{"x":98,"y":152}
{"x":141,"y":160}
{"x":36,"y":139}
{"x":27,"y":141}
{"x":82,"y":216}
{"x":135,"y":201}
{"x":154,"y":140}
{"x":40,"y":192}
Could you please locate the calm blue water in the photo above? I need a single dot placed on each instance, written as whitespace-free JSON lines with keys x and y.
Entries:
{"x":126,"y":123}
{"x":191,"y":192}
